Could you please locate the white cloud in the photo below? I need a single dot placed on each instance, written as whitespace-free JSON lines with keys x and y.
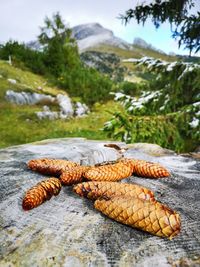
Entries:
{"x":20,"y":19}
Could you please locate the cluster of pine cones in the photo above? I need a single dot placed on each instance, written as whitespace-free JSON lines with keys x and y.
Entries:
{"x":129,"y":204}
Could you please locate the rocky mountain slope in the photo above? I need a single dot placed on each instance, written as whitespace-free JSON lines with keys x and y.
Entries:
{"x":101,"y":49}
{"x":93,"y":34}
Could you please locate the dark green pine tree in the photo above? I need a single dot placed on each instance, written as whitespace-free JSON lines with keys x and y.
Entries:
{"x":60,"y":49}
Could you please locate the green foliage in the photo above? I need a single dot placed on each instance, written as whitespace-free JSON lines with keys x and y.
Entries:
{"x":23,"y":56}
{"x":167,"y":112}
{"x":60,"y":49}
{"x":151,"y":129}
{"x":130,"y":88}
{"x":88,"y":84}
{"x":178,"y":84}
{"x":186,"y":25}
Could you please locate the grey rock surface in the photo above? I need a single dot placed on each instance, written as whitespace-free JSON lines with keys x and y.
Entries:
{"x":65,"y":105}
{"x":47,"y":114}
{"x":81,"y":109}
{"x":68,"y":231}
{"x":24,"y":98}
{"x":152,"y":149}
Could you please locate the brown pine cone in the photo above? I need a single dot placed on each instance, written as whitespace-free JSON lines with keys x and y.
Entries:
{"x":111,"y":172}
{"x":41,"y":192}
{"x":94,"y":190}
{"x":73,"y":175}
{"x":147,"y":169}
{"x":152,"y":217}
{"x":51,"y":166}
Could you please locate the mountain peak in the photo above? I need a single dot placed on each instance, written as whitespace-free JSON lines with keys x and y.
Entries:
{"x":85,"y":30}
{"x":93,"y":34}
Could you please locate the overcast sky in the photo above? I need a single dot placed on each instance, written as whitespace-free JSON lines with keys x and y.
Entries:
{"x":20,"y":20}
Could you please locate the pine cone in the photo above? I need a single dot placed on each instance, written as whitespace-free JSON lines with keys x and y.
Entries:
{"x":147,"y":169}
{"x":41,"y":192}
{"x":51,"y":166}
{"x":111,"y":172}
{"x":94,"y":190}
{"x":73,"y":175}
{"x":152,"y":217}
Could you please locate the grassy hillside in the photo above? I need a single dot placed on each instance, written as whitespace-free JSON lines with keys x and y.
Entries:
{"x":137,"y":52}
{"x":19,"y":124}
{"x":26,"y":81}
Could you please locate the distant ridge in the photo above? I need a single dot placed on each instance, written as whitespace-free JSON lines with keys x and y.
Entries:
{"x":93,"y":34}
{"x":142,"y":43}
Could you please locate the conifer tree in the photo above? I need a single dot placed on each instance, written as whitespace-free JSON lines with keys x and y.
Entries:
{"x":60,"y":49}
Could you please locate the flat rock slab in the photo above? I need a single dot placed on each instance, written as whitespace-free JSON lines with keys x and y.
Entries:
{"x":68,"y":231}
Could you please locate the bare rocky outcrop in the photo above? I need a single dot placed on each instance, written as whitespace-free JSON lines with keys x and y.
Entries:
{"x":67,"y":109}
{"x":68,"y":231}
